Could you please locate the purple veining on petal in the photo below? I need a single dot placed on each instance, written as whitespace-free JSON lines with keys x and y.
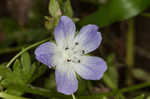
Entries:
{"x":66,"y":80}
{"x":89,"y":38}
{"x":45,"y":52}
{"x":91,"y":68}
{"x":64,"y":30}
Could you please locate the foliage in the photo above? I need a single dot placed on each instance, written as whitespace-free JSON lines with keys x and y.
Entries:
{"x":116,"y":10}
{"x":22,"y":74}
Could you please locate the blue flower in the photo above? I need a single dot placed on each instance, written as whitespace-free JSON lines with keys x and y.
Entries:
{"x":69,"y":55}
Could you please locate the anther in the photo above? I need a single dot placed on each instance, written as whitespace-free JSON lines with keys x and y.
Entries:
{"x":76,"y":43}
{"x":66,"y":48}
{"x":79,"y":61}
{"x":68,"y":60}
{"x":83,"y":51}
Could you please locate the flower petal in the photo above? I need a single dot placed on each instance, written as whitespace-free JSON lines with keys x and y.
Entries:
{"x":64,"y":31}
{"x":45,"y":52}
{"x":91,"y":68}
{"x":66,"y":80}
{"x":89,"y":38}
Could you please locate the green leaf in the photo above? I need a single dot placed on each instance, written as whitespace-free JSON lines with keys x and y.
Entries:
{"x":111,"y":76}
{"x":5,"y":72}
{"x":25,"y":61}
{"x":81,"y":87}
{"x":119,"y":96}
{"x":17,"y":67}
{"x":14,"y":91}
{"x":148,"y":97}
{"x":54,"y":8}
{"x":27,"y":69}
{"x":11,"y":78}
{"x":93,"y":97}
{"x":140,"y":97}
{"x":103,"y":97}
{"x":50,"y":82}
{"x":23,"y":74}
{"x":141,"y":74}
{"x":40,"y":70}
{"x":31,"y":73}
{"x":96,"y":2}
{"x":116,"y":10}
{"x":109,"y":81}
{"x":68,"y":9}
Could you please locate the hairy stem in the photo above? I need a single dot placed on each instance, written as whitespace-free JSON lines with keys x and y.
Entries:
{"x":24,"y":50}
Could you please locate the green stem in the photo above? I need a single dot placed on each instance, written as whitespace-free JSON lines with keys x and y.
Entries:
{"x":146,"y":15}
{"x":115,"y":92}
{"x":24,"y":50}
{"x":50,"y":94}
{"x":130,"y":50}
{"x":73,"y":96}
{"x":43,"y":92}
{"x":130,"y":44}
{"x":37,"y":90}
{"x":8,"y":96}
{"x":135,"y":87}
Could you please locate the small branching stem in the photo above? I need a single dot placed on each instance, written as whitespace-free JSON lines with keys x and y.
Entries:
{"x":24,"y":50}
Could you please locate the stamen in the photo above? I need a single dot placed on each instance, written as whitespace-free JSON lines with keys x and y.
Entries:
{"x":83,"y":51}
{"x":66,"y":48}
{"x":76,"y":43}
{"x":79,"y":61}
{"x":68,"y":60}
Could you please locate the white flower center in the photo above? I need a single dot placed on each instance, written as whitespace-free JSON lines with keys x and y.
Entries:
{"x":70,"y":54}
